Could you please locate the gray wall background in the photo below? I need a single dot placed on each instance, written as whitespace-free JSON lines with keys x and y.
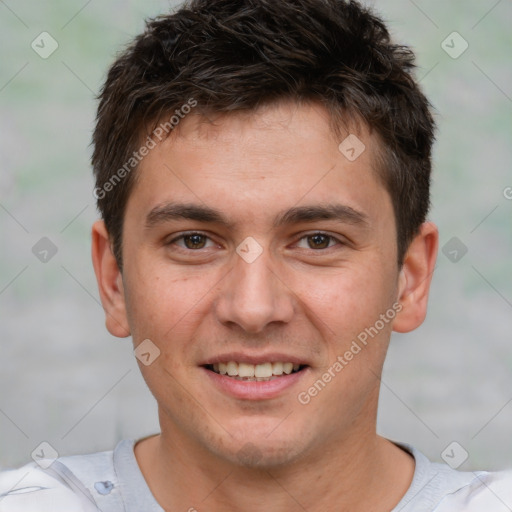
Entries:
{"x":65,"y":380}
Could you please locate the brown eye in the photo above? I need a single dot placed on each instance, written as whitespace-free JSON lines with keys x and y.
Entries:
{"x":318,"y":241}
{"x":194,"y":241}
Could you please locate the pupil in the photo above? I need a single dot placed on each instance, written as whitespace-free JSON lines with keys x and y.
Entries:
{"x":319,"y":241}
{"x":194,"y":241}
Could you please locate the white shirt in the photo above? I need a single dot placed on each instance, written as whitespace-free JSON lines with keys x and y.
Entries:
{"x":112,"y":482}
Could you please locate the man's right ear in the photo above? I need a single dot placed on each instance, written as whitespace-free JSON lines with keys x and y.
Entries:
{"x":110,"y":282}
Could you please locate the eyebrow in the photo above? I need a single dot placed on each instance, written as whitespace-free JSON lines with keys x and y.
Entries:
{"x":337,"y":212}
{"x":173,"y":211}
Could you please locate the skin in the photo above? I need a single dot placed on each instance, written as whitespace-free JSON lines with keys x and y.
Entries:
{"x":303,"y":296}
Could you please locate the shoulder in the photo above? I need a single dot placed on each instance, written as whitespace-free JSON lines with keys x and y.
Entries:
{"x":31,"y":489}
{"x":67,"y":484}
{"x":438,"y":487}
{"x":484,"y":492}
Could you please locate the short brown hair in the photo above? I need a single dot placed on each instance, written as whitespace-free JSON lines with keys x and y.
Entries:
{"x":233,"y":55}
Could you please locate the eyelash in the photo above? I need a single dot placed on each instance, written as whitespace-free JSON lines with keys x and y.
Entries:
{"x":321,"y":233}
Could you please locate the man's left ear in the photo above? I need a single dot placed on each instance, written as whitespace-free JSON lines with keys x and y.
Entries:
{"x":415,"y":278}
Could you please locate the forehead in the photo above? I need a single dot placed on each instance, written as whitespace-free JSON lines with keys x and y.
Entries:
{"x":273,"y":125}
{"x":278,"y":155}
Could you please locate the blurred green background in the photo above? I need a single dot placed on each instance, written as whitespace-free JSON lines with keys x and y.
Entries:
{"x":65,"y":380}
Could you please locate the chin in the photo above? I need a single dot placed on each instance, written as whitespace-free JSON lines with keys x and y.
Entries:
{"x":261,"y":453}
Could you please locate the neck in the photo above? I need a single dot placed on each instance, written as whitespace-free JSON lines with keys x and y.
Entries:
{"x":360,"y":472}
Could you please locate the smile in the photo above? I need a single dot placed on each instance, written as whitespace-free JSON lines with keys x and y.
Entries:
{"x":254,"y":372}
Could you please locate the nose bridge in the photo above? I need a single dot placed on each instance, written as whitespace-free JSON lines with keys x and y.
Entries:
{"x":253,"y":296}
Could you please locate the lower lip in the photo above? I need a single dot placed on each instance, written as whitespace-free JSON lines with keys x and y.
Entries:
{"x":252,"y":389}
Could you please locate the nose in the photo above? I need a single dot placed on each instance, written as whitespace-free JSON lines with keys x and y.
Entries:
{"x":253,"y":296}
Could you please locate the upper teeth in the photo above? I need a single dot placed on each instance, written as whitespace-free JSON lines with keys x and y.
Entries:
{"x":234,"y":369}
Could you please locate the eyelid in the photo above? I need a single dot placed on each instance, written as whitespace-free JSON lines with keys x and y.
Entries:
{"x":337,"y":238}
{"x":183,"y":234}
{"x":340,"y":240}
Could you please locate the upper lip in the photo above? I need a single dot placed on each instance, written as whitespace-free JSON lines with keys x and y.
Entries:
{"x":243,"y":357}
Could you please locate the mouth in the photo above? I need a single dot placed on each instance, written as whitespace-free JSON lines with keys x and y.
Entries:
{"x":255,"y":372}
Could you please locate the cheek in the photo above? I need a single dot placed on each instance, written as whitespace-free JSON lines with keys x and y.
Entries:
{"x":348,"y":301}
{"x":168,"y":307}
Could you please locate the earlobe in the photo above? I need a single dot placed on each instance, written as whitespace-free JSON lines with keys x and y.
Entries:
{"x":110,"y":282}
{"x":415,"y":278}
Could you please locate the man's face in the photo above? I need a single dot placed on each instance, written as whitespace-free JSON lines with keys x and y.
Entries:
{"x":207,"y":201}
